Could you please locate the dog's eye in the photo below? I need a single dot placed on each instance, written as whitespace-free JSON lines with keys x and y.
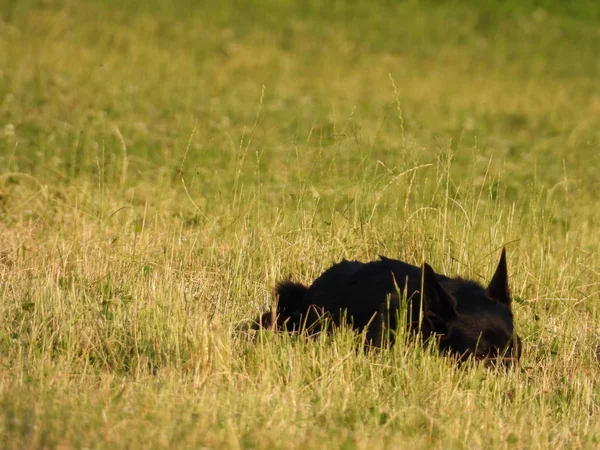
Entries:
{"x":487,"y":353}
{"x":481,"y":354}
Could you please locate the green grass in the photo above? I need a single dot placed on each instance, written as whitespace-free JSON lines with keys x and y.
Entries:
{"x":163,"y":164}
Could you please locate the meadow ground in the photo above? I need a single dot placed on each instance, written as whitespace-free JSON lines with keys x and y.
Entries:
{"x":163,"y":164}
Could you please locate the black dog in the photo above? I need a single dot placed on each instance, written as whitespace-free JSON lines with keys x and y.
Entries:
{"x":467,"y":319}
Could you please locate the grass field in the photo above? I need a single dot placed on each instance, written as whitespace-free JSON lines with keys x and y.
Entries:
{"x":163,"y":164}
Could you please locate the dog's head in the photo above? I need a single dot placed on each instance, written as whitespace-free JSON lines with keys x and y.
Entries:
{"x":471,"y":321}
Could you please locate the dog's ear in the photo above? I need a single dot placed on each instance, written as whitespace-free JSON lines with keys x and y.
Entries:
{"x":439,"y":307}
{"x":498,"y":287}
